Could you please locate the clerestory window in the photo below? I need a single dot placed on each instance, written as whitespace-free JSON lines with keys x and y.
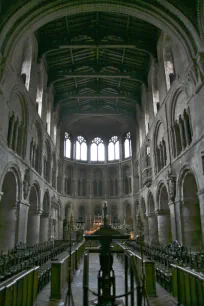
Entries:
{"x":81,"y":148}
{"x":97,"y":150}
{"x":113,"y":148}
{"x":127,"y":145}
{"x":67,"y":145}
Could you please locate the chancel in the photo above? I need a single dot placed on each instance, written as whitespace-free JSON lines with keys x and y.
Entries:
{"x":101,"y":108}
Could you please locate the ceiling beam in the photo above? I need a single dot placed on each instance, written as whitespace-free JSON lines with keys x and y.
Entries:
{"x":98,"y":96}
{"x":108,"y":45}
{"x":107,"y":75}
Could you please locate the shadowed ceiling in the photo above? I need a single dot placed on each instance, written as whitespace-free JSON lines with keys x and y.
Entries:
{"x":97,"y":62}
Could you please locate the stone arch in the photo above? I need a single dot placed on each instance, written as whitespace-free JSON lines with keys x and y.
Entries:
{"x":18,"y":122}
{"x":163,"y":215}
{"x":152,"y":220}
{"x":47,"y":160}
{"x":36,"y":147}
{"x":160,"y":146}
{"x":33,"y":225}
{"x":44,"y":218}
{"x":17,"y":173}
{"x":190,"y":212}
{"x":186,"y":35}
{"x":8,"y":209}
{"x":180,"y":122}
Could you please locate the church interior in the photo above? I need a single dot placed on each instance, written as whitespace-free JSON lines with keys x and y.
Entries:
{"x":101,"y":152}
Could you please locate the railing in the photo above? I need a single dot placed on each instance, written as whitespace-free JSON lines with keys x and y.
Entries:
{"x":21,"y":290}
{"x":60,"y":269}
{"x":22,"y":258}
{"x":188,"y":286}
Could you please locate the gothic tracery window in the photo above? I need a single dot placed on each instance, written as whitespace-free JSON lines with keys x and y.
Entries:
{"x":67,"y":145}
{"x":97,"y":150}
{"x":81,"y":148}
{"x":113,"y":148}
{"x":127,"y":145}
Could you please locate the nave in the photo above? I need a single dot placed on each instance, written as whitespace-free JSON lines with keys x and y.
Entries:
{"x":43,"y":298}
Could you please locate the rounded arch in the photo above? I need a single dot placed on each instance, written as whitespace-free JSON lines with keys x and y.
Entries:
{"x":180,"y":179}
{"x":46,"y":202}
{"x":168,"y":21}
{"x":190,"y":212}
{"x":179,"y":90}
{"x":36,"y":146}
{"x":17,"y":141}
{"x":162,"y":196}
{"x":150,"y":203}
{"x":34,"y":197}
{"x":163,"y":215}
{"x":12,"y":167}
{"x":8,"y":210}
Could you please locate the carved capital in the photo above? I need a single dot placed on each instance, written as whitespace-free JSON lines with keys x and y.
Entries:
{"x":26,"y":184}
{"x":171,"y":181}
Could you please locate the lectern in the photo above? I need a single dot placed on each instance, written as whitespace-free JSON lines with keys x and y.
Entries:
{"x":106,"y":276}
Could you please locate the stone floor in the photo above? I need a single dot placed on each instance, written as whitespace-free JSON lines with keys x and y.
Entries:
{"x":163,"y":297}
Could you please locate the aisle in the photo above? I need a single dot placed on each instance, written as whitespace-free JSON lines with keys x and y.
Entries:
{"x":77,"y":284}
{"x":163,"y":298}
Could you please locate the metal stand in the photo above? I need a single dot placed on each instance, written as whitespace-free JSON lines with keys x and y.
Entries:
{"x":143,"y":293}
{"x":69,"y":300}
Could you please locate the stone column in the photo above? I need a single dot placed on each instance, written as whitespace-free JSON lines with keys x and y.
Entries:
{"x":201,"y":203}
{"x":23,"y":220}
{"x":44,"y":227}
{"x":191,"y":225}
{"x":146,"y":230}
{"x":164,"y":227}
{"x":33,"y":229}
{"x":153,"y":229}
{"x":60,"y":228}
{"x":8,"y":231}
{"x":173,"y":221}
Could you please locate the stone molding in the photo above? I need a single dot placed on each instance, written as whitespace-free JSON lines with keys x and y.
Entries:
{"x":161,"y":212}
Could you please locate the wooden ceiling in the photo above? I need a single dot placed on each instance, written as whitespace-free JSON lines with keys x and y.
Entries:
{"x":97,"y":62}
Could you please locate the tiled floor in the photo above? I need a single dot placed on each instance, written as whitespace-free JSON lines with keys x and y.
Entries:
{"x":162,"y":299}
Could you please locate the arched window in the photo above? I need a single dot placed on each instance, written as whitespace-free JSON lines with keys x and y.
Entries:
{"x":168,"y":62}
{"x":97,"y":150}
{"x":39,"y":96}
{"x":67,"y":145}
{"x":48,"y":118}
{"x":27,"y":63}
{"x":55,"y":134}
{"x":81,"y":148}
{"x":113,"y":148}
{"x":155,"y":90}
{"x":127,"y":145}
